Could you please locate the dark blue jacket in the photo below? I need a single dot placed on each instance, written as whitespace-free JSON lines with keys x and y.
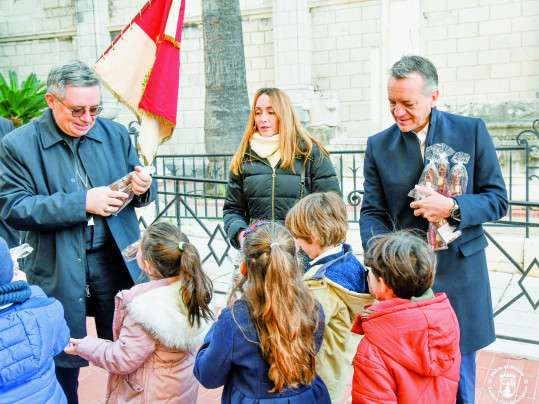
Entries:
{"x":40,"y":194}
{"x":31,"y":334}
{"x":393,"y":165}
{"x":231,"y":356}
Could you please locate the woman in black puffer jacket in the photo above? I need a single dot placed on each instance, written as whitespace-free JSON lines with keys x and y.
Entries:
{"x":276,"y":164}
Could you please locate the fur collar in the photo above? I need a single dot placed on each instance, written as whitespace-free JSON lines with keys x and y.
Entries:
{"x":162,"y":313}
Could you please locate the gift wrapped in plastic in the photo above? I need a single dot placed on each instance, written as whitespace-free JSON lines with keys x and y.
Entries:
{"x":124,"y":185}
{"x":429,"y":176}
{"x":429,"y":179}
{"x":435,"y":177}
{"x":458,"y":175}
{"x":433,"y":237}
{"x":130,"y":252}
{"x":19,"y":252}
{"x":443,"y":152}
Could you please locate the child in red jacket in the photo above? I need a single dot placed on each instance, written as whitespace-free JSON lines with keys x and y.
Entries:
{"x":410,"y":353}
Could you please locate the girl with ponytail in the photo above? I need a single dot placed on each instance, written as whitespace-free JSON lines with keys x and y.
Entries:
{"x":264,"y":346}
{"x":157,"y":325}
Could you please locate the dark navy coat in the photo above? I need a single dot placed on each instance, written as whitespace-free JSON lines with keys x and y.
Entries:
{"x":231,"y":356}
{"x":393,"y":165}
{"x":7,"y":233}
{"x":31,"y":333}
{"x":40,"y":194}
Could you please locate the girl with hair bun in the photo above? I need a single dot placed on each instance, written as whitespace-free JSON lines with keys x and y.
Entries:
{"x":157,"y":325}
{"x":264,"y":346}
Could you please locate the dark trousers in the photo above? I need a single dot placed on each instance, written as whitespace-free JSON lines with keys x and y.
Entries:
{"x":106,"y":275}
{"x":466,"y":391}
{"x":69,"y":380}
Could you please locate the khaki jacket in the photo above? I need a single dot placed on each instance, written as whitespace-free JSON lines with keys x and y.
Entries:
{"x":341,"y":307}
{"x":152,"y":357}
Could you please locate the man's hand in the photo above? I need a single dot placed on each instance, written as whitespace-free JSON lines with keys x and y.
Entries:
{"x":435,"y":207}
{"x":140,"y":182}
{"x":71,"y":349}
{"x":103,"y":201}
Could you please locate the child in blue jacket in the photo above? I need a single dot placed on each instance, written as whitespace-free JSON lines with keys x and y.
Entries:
{"x":263,"y":348}
{"x":32,"y":332}
{"x":335,"y":278}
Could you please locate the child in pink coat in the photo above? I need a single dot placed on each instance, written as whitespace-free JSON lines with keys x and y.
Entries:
{"x":157,"y":325}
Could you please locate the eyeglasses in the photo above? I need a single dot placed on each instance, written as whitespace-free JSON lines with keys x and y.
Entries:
{"x":77,"y":112}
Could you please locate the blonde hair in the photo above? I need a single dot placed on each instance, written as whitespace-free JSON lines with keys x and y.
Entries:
{"x":319,"y":217}
{"x":295,"y":140}
{"x":283,"y":311}
{"x":160,"y":246}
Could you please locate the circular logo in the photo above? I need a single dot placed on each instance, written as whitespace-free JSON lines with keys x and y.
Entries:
{"x":507,"y":385}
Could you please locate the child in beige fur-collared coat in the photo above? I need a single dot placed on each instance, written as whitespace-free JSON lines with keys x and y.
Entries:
{"x":157,"y":325}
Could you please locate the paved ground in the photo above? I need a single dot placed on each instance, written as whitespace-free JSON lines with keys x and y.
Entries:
{"x":507,"y":371}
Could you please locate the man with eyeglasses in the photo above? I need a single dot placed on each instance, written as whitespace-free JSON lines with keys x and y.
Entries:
{"x":54,"y":173}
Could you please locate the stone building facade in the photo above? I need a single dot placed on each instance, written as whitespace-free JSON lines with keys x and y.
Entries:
{"x":331,"y":56}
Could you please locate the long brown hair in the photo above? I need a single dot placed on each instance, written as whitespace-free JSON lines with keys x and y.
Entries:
{"x":293,"y":137}
{"x":160,"y":245}
{"x":284,"y":312}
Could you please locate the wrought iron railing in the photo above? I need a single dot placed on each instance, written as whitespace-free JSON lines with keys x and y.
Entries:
{"x":193,"y":187}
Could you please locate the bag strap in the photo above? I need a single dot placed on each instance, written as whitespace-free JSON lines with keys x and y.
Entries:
{"x":302,"y":181}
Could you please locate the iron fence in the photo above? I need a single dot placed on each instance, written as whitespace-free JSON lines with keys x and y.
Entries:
{"x":193,"y":186}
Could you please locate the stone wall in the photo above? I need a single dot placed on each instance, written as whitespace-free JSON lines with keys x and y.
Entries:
{"x":486,"y":51}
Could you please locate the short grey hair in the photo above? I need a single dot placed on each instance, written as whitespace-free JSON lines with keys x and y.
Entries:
{"x":70,"y":73}
{"x":410,"y":64}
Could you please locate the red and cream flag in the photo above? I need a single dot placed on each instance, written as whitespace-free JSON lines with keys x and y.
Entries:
{"x":142,"y":69}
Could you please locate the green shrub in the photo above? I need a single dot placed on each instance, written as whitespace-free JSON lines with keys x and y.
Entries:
{"x":20,"y":105}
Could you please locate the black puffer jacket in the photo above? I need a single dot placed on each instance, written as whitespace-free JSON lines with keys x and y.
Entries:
{"x":264,"y":193}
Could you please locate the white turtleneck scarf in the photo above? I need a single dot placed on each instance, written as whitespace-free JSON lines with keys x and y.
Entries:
{"x":267,"y":147}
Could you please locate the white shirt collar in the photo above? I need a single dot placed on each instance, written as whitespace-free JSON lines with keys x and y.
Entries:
{"x":422,"y":137}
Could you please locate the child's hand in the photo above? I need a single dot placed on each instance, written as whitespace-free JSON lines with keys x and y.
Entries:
{"x":71,"y":349}
{"x":19,"y":275}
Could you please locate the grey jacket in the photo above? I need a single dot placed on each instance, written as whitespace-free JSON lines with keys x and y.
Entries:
{"x":40,"y":195}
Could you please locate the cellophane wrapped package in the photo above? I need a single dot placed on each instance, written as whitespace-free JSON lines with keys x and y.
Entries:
{"x":130,"y":252}
{"x":19,"y":252}
{"x":435,"y":177}
{"x":124,"y":185}
{"x":433,"y":237}
{"x":443,"y":152}
{"x":429,"y":176}
{"x":458,"y":175}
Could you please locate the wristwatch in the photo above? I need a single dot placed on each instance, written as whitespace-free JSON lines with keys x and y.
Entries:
{"x":454,"y":213}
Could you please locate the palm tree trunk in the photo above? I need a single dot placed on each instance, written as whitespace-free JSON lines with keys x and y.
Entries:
{"x":227,"y":103}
